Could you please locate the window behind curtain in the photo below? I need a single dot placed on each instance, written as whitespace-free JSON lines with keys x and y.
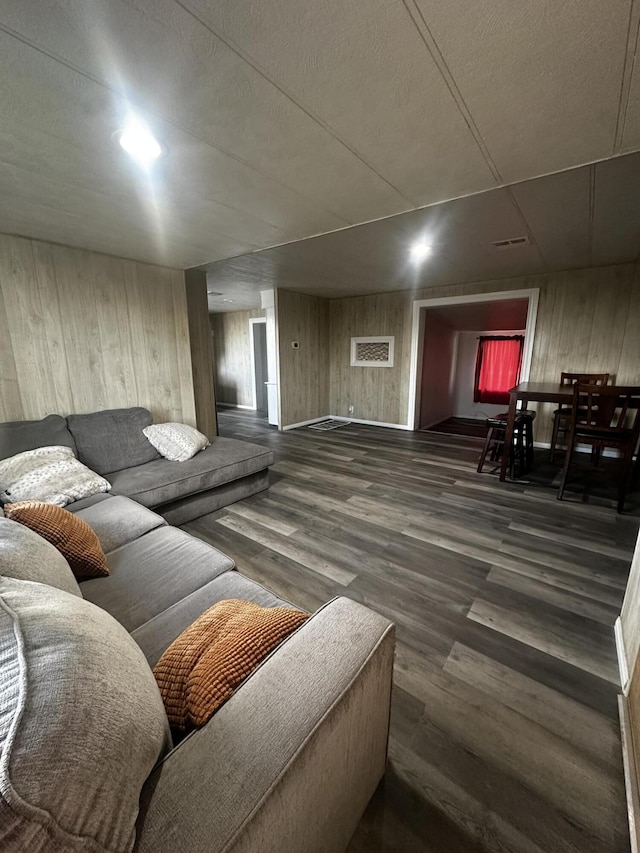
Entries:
{"x":497,"y":367}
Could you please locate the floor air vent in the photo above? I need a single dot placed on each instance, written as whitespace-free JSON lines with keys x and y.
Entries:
{"x":330,"y":424}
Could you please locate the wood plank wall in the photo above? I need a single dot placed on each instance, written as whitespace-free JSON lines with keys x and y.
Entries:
{"x":82,"y":331}
{"x":304,"y":372}
{"x":588,"y":320}
{"x":201,"y":349}
{"x":232,"y":356}
{"x":376,"y":393}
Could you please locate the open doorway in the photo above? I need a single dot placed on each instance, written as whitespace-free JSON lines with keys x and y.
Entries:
{"x":446,"y":335}
{"x":260,"y":372}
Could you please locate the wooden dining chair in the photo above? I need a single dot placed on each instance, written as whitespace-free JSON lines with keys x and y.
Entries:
{"x":562,"y":415}
{"x":605,"y":416}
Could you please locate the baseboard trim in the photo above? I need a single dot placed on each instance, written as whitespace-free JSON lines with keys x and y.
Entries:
{"x":235,"y":406}
{"x":306,"y":423}
{"x":630,"y":772}
{"x":622,"y":656}
{"x":371,"y":423}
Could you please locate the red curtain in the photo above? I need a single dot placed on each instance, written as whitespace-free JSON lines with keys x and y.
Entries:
{"x":497,"y":368}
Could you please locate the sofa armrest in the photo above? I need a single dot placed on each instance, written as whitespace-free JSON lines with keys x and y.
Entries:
{"x":291,"y":760}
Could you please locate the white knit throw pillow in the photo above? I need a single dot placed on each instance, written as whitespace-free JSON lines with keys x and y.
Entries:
{"x":176,"y":442}
{"x":49,"y":474}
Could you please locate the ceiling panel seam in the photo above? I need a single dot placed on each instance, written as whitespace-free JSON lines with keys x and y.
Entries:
{"x":430,"y":43}
{"x":627,"y":74}
{"x":245,"y":57}
{"x":526,"y":226}
{"x":89,"y":76}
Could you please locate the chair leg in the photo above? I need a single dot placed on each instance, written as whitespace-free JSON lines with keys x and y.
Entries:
{"x":554,"y":436}
{"x":485,"y":449}
{"x":565,"y":468}
{"x":625,"y":479}
{"x":529,"y":445}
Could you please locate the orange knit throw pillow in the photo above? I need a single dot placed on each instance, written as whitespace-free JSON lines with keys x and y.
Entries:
{"x":71,"y":535}
{"x":203,"y":666}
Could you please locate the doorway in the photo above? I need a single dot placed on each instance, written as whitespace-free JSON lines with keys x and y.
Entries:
{"x":444,"y":345}
{"x":259,"y":368}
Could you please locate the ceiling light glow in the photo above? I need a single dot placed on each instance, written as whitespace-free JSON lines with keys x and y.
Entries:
{"x":138,"y":141}
{"x":420,"y":250}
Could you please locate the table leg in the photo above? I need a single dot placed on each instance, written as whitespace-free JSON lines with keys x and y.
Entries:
{"x":508,"y":436}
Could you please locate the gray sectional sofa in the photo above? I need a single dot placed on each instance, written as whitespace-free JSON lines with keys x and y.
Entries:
{"x":288,"y":764}
{"x":111,"y":442}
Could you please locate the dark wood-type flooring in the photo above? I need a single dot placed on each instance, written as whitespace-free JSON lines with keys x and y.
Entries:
{"x":504,"y":729}
{"x":461,"y":426}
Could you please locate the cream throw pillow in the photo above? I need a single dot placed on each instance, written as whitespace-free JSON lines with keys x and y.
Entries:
{"x":49,"y":474}
{"x":176,"y":442}
{"x":82,"y":724}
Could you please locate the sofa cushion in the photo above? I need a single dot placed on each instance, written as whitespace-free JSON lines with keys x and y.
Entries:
{"x":119,"y":520}
{"x":112,"y":439}
{"x":67,"y":532}
{"x":82,"y":724}
{"x":83,"y":503}
{"x":151,"y":573}
{"x":18,"y":436}
{"x":158,"y":633}
{"x":160,"y":482}
{"x":26,"y":556}
{"x":50,"y":474}
{"x":204,"y":665}
{"x":176,"y":442}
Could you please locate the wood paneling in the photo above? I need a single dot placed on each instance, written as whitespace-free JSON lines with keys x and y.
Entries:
{"x":376,"y":393}
{"x":588,"y":320}
{"x":232,"y":356}
{"x":201,"y":351}
{"x":304,"y":372}
{"x":81,"y":331}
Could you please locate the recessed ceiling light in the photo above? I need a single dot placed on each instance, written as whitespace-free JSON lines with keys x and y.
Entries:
{"x":227,"y":300}
{"x":139,"y":143}
{"x":420,"y":250}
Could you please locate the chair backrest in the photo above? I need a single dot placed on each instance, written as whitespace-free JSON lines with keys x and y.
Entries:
{"x":586,"y":378}
{"x":607,"y":406}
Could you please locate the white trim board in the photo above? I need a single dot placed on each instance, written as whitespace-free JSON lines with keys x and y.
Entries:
{"x":622,"y":655}
{"x":417,"y":334}
{"x":348,"y":420}
{"x":629,"y":762}
{"x":371,"y":423}
{"x":235,"y":406}
{"x":252,"y":358}
{"x":306,"y":423}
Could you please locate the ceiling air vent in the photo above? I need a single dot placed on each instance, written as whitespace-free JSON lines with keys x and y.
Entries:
{"x":213,"y":293}
{"x":511,"y":243}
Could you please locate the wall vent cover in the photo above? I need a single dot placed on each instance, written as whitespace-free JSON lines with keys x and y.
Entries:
{"x":511,"y":243}
{"x":374,"y":351}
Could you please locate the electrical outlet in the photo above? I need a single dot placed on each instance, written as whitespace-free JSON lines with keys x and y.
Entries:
{"x":351,"y":409}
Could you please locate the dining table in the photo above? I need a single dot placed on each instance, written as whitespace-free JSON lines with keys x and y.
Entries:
{"x":536,"y":392}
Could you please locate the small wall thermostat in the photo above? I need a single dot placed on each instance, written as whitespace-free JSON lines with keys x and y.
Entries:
{"x":295,"y":344}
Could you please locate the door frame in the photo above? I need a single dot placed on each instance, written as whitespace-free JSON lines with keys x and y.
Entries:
{"x":417,"y":335}
{"x":252,"y":358}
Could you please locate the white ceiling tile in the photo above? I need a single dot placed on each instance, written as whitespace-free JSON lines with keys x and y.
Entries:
{"x":541,"y":78}
{"x":556,"y":209}
{"x":365,"y":71}
{"x":162,"y":58}
{"x":65,"y":116}
{"x":631,"y":136}
{"x":616,"y":225}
